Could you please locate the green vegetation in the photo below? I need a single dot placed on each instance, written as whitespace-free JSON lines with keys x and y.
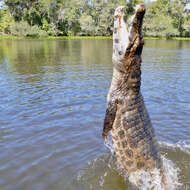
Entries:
{"x":42,"y":18}
{"x":87,"y":37}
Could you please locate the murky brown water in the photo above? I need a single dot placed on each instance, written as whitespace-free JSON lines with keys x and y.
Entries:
{"x":53,"y":100}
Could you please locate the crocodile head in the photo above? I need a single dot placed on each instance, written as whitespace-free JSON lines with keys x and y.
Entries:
{"x":127,"y":48}
{"x":127,"y":33}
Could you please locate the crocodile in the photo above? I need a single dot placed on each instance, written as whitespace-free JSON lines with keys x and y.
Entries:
{"x":133,"y":136}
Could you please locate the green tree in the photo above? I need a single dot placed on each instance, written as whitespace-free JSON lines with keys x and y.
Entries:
{"x":5,"y":21}
{"x":89,"y":17}
{"x":87,"y":24}
{"x":177,"y":13}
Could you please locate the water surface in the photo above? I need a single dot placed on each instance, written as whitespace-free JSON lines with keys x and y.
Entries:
{"x":53,"y":101}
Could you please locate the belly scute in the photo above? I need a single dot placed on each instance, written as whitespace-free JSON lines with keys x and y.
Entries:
{"x":134,"y":139}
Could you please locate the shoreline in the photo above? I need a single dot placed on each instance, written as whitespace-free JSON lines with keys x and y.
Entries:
{"x":87,"y":37}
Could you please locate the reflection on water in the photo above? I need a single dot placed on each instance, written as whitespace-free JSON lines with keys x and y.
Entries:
{"x":53,"y":99}
{"x":30,"y":56}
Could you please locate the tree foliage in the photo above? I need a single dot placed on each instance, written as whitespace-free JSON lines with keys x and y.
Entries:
{"x":89,"y":17}
{"x":5,"y":21}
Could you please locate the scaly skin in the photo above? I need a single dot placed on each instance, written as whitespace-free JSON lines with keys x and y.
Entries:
{"x":133,"y":137}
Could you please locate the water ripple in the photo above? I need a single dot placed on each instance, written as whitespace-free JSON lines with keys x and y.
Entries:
{"x":53,"y":99}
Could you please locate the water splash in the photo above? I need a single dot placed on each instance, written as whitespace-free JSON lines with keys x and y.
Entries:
{"x":109,"y":143}
{"x":148,"y":180}
{"x":105,"y":173}
{"x":101,"y":181}
{"x":183,"y":145}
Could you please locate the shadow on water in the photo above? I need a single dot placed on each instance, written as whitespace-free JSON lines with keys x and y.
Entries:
{"x":53,"y":99}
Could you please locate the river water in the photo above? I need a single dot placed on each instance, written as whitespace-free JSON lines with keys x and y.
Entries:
{"x":52,"y":106}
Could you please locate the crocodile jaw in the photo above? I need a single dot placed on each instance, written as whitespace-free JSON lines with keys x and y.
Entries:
{"x":125,"y":31}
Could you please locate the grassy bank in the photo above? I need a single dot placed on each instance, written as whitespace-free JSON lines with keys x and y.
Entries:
{"x":55,"y":37}
{"x":87,"y":37}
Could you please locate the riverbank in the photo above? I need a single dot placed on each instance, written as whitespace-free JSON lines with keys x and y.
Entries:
{"x":55,"y":37}
{"x":86,"y":37}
